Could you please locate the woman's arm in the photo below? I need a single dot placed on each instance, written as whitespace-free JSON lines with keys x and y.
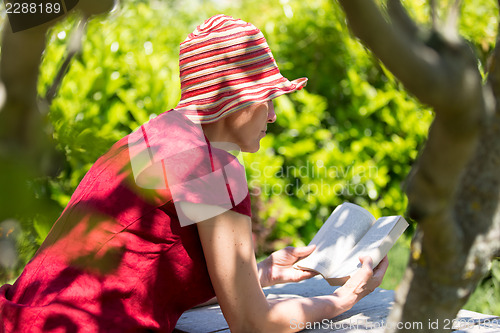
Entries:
{"x":227,"y":244}
{"x":278,"y":268}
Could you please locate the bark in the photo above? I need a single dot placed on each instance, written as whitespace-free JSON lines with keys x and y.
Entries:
{"x":25,"y":133}
{"x":25,"y":148}
{"x":21,"y":54}
{"x":453,"y":188}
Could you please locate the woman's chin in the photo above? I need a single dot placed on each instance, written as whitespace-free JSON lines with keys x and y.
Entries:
{"x":251,"y":149}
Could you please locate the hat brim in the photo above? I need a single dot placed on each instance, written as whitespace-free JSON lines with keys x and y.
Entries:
{"x":289,"y":87}
{"x":242,"y":99}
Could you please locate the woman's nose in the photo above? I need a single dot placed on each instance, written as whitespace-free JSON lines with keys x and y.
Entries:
{"x":271,"y":115}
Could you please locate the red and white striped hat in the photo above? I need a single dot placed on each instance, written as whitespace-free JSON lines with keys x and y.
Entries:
{"x":226,"y":65}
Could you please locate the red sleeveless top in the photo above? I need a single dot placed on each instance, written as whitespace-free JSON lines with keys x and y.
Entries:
{"x":119,"y":259}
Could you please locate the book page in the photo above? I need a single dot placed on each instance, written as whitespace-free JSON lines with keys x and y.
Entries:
{"x":375,"y":243}
{"x":341,"y":231}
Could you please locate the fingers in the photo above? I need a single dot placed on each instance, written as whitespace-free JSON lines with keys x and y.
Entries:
{"x":374,"y":276}
{"x":381,"y":268}
{"x":303,"y":275}
{"x":306,"y":250}
{"x":365,"y":280}
{"x":366,"y":262}
{"x":300,"y":252}
{"x":360,"y":279}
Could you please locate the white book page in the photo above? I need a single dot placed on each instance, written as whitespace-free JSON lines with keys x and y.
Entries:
{"x":341,"y":231}
{"x":375,"y":243}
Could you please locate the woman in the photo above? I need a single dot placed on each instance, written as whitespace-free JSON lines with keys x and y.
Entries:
{"x":126,"y":254}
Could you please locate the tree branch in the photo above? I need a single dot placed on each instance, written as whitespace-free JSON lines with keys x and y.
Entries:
{"x":442,"y":71}
{"x":451,"y":25}
{"x":401,"y":19}
{"x":434,"y":14}
{"x":494,"y":69}
{"x":74,"y":46}
{"x":426,"y":72}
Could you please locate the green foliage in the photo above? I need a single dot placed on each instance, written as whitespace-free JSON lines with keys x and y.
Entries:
{"x":122,"y":76}
{"x":485,"y":297}
{"x":126,"y":72}
{"x":351,"y":135}
{"x":398,"y":260}
{"x":477,"y":24}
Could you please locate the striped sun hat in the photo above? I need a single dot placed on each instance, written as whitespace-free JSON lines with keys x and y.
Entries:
{"x":226,"y":65}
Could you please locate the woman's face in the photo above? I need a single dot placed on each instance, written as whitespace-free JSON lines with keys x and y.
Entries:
{"x":248,"y":126}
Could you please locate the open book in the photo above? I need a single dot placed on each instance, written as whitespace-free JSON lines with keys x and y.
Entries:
{"x":350,"y":232}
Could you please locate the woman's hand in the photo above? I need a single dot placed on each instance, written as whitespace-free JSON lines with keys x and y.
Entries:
{"x":364,"y":281}
{"x":278,"y":267}
{"x":236,"y":278}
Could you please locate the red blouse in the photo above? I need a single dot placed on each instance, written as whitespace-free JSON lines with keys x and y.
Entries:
{"x":118,"y":259}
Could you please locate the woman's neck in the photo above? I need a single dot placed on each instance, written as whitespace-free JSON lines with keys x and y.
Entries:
{"x":215,"y":132}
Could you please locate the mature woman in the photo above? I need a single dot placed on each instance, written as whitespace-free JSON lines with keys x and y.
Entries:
{"x":161,"y":222}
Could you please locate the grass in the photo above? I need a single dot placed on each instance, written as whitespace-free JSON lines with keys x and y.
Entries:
{"x":486,"y":298}
{"x":398,"y":259}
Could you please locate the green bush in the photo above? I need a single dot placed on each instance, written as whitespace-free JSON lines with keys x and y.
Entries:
{"x":351,"y":135}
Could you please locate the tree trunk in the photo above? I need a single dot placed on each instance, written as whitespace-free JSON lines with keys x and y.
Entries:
{"x":25,"y":134}
{"x":26,"y":148}
{"x":453,"y":188}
